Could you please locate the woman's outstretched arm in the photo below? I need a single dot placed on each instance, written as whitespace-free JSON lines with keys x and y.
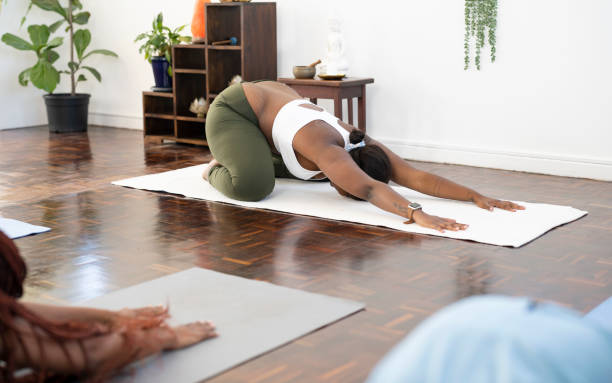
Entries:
{"x":344,"y":172}
{"x":404,"y":174}
{"x":97,"y":353}
{"x":88,"y":314}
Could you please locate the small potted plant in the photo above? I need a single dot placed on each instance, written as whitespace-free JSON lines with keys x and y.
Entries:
{"x":66,"y":112}
{"x":157,"y":48}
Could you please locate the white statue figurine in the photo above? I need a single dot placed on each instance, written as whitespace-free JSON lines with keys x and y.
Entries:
{"x":335,"y":63}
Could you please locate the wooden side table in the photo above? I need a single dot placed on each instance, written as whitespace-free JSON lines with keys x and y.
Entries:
{"x":348,"y":88}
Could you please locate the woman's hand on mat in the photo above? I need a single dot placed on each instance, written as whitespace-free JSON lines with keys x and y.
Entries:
{"x":192,"y":333}
{"x":490,"y":203}
{"x":437,"y":223}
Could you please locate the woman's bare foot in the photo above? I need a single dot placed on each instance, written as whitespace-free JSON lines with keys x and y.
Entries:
{"x":192,"y":333}
{"x":210,"y":165}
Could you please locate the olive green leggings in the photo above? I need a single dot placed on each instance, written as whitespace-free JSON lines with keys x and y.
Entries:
{"x":248,"y":166}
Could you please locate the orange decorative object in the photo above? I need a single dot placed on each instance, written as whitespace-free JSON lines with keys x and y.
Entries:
{"x":198,"y":24}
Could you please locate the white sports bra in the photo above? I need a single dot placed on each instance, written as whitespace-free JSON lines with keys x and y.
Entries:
{"x":290,"y":119}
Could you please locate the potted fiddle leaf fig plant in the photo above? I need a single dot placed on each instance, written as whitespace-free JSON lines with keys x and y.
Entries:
{"x":66,"y":112}
{"x":157,"y":49}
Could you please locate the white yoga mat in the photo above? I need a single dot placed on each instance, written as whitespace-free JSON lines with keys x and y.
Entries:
{"x":17,"y":229}
{"x":251,"y":317}
{"x":500,"y":227}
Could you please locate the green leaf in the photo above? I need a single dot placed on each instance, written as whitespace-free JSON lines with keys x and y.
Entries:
{"x":50,"y":55}
{"x":44,"y":76}
{"x":24,"y":77}
{"x":105,"y":52}
{"x":53,"y":27}
{"x":95,"y":73}
{"x":81,"y":18}
{"x":73,"y":66}
{"x":51,"y":5}
{"x":157,"y":42}
{"x":159,"y":22}
{"x":82,"y":78}
{"x":17,"y":42}
{"x":77,"y":4}
{"x":140,"y":37}
{"x":39,"y":34}
{"x":82,"y":38}
{"x":23,"y":19}
{"x":56,"y":42}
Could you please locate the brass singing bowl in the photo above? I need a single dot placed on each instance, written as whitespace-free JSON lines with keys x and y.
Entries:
{"x":303,"y":71}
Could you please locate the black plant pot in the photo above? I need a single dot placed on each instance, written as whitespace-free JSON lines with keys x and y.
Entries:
{"x":67,"y":113}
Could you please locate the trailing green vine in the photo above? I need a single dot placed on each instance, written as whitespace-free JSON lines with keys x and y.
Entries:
{"x":480,"y":27}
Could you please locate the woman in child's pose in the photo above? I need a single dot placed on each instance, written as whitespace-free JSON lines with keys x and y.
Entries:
{"x":262,"y":130}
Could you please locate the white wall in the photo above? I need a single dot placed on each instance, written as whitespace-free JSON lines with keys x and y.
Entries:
{"x":544,"y":106}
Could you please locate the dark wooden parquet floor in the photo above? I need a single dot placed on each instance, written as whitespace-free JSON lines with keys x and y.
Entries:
{"x":106,"y":237}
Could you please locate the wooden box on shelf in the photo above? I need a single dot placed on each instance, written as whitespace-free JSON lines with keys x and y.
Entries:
{"x":204,"y":70}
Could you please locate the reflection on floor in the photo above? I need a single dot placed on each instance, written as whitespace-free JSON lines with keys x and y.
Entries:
{"x":107,"y":237}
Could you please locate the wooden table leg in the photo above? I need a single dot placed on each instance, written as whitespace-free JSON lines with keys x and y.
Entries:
{"x":361,"y":112}
{"x":338,"y":107}
{"x":313,"y":100}
{"x":350,"y":110}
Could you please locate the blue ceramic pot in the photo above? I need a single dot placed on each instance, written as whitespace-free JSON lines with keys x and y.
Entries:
{"x":160,"y":72}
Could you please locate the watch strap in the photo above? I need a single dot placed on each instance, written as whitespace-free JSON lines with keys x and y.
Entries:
{"x":412,"y":210}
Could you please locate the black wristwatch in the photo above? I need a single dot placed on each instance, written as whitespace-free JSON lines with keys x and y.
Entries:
{"x":414,"y":206}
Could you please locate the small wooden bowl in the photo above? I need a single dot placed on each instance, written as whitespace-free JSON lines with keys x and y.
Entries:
{"x":301,"y":71}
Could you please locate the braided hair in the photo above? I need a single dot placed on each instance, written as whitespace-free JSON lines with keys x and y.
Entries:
{"x":12,"y":275}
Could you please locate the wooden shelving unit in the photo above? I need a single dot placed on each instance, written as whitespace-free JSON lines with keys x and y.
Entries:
{"x":204,"y":70}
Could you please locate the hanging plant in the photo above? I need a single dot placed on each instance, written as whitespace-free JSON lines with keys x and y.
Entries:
{"x":480,"y":26}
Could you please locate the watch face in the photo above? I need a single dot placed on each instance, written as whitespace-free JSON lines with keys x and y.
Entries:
{"x":414,"y":205}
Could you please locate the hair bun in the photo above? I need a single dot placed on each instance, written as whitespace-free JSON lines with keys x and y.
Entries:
{"x":356,"y":136}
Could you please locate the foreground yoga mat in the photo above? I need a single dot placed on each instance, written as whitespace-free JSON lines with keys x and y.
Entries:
{"x":318,"y":199}
{"x":251,"y":317}
{"x":17,"y":229}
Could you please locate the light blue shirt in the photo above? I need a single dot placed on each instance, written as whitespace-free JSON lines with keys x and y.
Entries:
{"x":496,"y":339}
